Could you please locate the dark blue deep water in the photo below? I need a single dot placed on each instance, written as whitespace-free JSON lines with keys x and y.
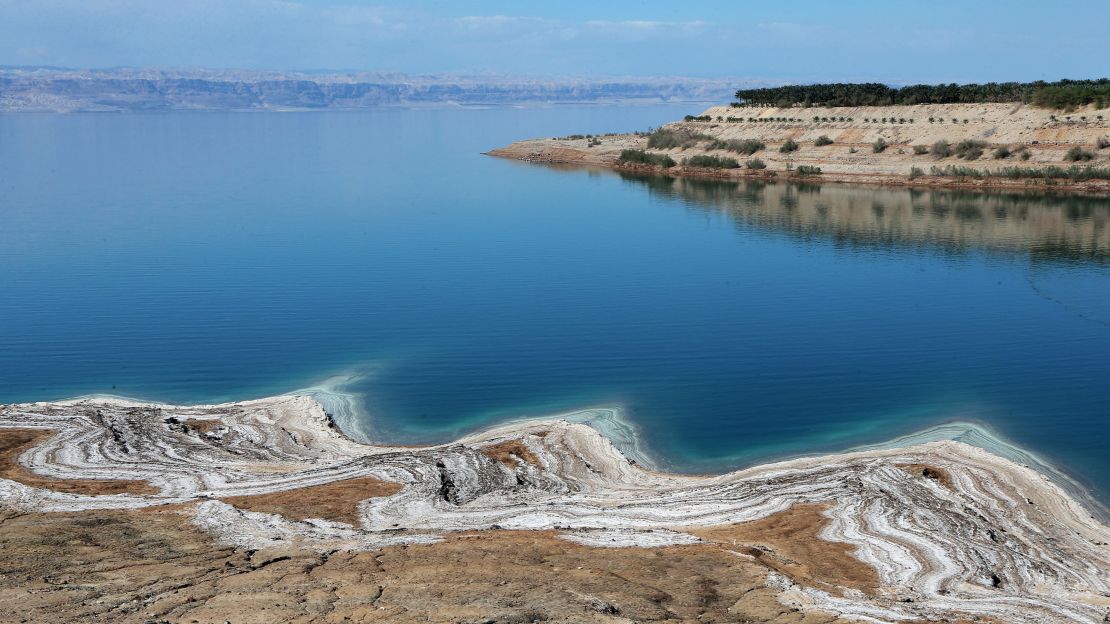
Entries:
{"x":204,"y":257}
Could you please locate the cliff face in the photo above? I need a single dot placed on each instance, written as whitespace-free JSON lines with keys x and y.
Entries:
{"x":65,"y":91}
{"x":996,"y":124}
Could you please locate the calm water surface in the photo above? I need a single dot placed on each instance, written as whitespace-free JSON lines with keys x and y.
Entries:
{"x":205,"y":257}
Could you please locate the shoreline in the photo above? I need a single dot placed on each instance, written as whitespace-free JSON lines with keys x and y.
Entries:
{"x":844,"y":145}
{"x":537,"y":151}
{"x":344,"y":415}
{"x":925,"y":517}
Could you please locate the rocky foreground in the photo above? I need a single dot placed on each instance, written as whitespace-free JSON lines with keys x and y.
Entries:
{"x":263,"y":512}
{"x":890,"y":145}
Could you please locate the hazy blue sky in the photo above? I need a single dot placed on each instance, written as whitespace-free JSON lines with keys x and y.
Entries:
{"x":938,"y":40}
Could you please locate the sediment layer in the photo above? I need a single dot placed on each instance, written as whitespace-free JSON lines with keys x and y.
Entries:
{"x":934,"y":531}
{"x":849,"y":157}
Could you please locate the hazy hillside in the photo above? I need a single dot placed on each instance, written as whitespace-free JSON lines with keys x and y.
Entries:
{"x":45,"y":89}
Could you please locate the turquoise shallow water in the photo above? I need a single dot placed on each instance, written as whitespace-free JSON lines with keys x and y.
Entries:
{"x":205,"y":257}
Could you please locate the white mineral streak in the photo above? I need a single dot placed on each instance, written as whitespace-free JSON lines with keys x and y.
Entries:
{"x":1004,"y":541}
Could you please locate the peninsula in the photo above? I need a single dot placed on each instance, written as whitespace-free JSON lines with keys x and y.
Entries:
{"x":1024,"y":136}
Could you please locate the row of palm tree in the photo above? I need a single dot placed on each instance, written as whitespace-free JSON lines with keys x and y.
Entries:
{"x":1059,"y":94}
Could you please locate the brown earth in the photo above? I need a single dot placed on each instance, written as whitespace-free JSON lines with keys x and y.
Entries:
{"x":13,"y":442}
{"x":789,"y":543}
{"x":337,"y":501}
{"x":203,"y":426}
{"x":926,"y":471}
{"x":154,"y":566}
{"x":509,"y":452}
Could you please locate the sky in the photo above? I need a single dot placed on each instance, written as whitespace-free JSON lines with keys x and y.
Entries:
{"x":800,"y":40}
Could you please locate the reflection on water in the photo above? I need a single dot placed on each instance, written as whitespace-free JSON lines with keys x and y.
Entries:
{"x":1047,"y":227}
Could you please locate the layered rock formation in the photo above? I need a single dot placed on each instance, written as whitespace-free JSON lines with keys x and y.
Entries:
{"x":940,"y":530}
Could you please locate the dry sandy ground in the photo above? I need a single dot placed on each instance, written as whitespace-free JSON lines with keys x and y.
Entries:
{"x":154,"y":566}
{"x":850,"y":157}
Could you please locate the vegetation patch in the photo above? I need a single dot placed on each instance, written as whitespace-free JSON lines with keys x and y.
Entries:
{"x":806,"y":170}
{"x":665,"y":138}
{"x":823,"y":140}
{"x":640,"y":157}
{"x":879,"y":146}
{"x":941,"y":149}
{"x":1074,"y":173}
{"x":1060,"y":94}
{"x":789,"y":146}
{"x":970,"y":149}
{"x":712,"y":162}
{"x":756,"y":164}
{"x":1078,"y":154}
{"x":740,"y":146}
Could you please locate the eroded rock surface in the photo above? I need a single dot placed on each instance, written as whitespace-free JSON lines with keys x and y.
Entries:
{"x":937,"y":531}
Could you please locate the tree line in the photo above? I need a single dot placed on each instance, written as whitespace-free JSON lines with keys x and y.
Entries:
{"x":1059,"y":94}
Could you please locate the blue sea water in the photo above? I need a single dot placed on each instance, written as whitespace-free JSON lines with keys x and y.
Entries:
{"x":195,"y":257}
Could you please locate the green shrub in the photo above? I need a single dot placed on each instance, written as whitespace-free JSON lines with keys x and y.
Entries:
{"x":756,"y":163}
{"x":1103,"y":142}
{"x":640,"y":157}
{"x":808,"y":170}
{"x":712,"y":162}
{"x":745,"y":146}
{"x":916,"y":172}
{"x":698,"y":118}
{"x":1074,"y":173}
{"x":879,"y":146}
{"x":920,"y":149}
{"x":970,"y":149}
{"x":1001,"y":152}
{"x":823,"y":140}
{"x":665,"y":138}
{"x":1077,"y":154}
{"x":941,"y":149}
{"x":789,"y":146}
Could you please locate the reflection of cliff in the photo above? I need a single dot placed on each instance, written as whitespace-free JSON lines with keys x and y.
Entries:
{"x":1047,"y":227}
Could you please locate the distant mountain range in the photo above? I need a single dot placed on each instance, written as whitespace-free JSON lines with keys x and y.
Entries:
{"x":46,"y":89}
